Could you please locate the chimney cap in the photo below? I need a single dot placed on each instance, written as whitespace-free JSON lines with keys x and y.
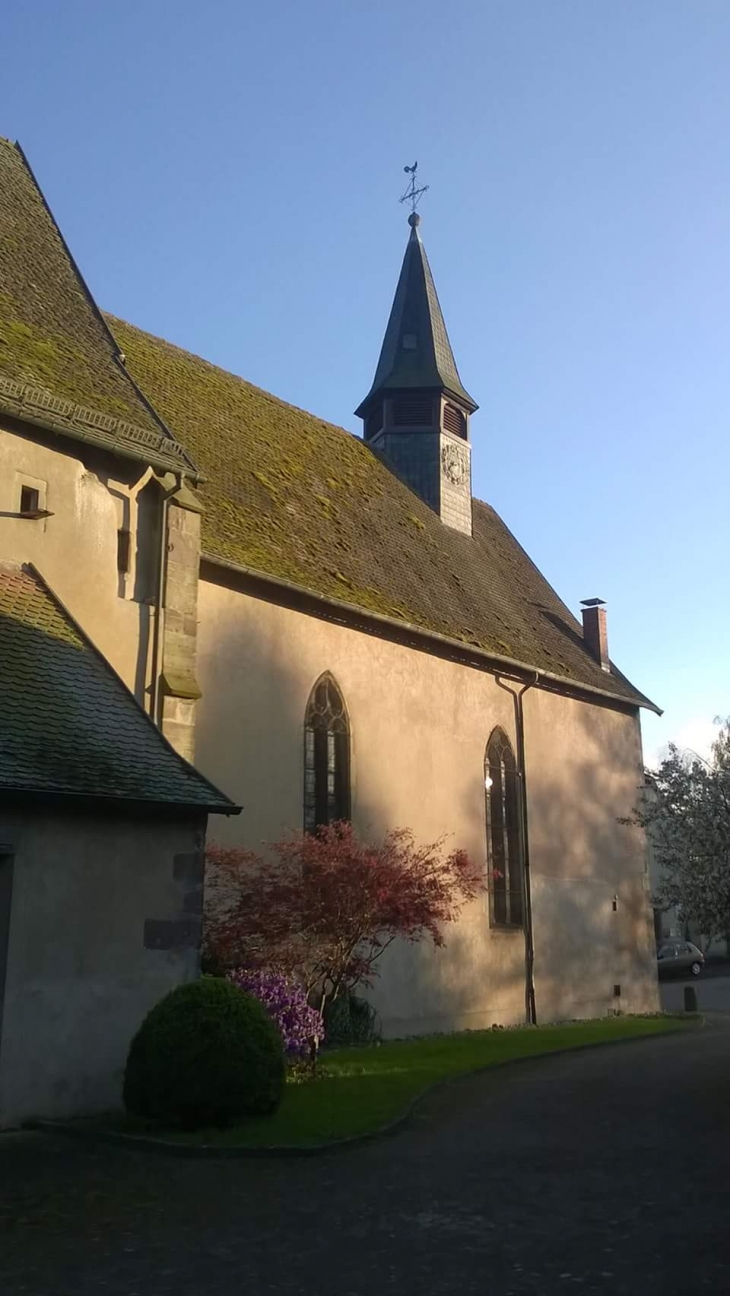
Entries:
{"x":594,"y":602}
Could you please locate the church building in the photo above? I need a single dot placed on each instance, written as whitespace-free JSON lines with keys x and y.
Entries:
{"x":329,"y":626}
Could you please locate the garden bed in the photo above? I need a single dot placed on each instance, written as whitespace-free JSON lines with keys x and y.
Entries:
{"x":359,"y":1092}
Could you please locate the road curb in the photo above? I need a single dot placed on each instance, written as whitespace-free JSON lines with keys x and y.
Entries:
{"x":211,"y":1151}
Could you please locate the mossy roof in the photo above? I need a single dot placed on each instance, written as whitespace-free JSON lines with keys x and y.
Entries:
{"x":288,"y":496}
{"x":58,"y":363}
{"x":292,"y":497}
{"x":68,"y":725}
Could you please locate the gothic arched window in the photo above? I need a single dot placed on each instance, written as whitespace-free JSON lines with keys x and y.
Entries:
{"x":504,"y":850}
{"x":326,"y":756}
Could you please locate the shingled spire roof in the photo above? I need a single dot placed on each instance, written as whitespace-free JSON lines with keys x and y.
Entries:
{"x":416,"y":351}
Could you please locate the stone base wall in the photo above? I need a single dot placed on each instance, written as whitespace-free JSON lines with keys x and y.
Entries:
{"x":105,"y":918}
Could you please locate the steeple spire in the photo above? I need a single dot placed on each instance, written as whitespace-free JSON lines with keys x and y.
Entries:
{"x":417,"y":410}
{"x":416,"y":351}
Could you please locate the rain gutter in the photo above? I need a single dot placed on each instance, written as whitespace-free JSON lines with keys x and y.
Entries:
{"x":487,"y":660}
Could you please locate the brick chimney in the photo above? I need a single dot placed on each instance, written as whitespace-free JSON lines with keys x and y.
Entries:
{"x":594,"y":630}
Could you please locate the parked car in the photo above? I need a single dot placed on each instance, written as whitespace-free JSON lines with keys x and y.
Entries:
{"x":679,"y":956}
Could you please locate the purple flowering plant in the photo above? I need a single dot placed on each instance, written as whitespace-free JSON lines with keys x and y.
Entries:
{"x":301,"y":1026}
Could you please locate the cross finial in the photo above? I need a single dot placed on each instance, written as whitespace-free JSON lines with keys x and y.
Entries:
{"x":413,"y":193}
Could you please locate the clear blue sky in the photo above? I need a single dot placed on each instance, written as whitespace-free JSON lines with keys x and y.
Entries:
{"x":227,"y":175}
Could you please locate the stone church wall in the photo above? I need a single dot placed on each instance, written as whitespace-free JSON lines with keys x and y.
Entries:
{"x":104,"y":920}
{"x":419,"y":727}
{"x":75,"y":551}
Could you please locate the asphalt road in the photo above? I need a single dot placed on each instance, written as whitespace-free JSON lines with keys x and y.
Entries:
{"x":604,"y":1171}
{"x":712,"y":986}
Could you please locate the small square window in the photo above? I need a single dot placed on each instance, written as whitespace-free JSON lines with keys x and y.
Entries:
{"x":29,"y":499}
{"x":123,"y":549}
{"x":617,"y":992}
{"x":410,"y":341}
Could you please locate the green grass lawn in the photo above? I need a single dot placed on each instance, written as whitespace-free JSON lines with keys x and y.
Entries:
{"x":357,"y":1090}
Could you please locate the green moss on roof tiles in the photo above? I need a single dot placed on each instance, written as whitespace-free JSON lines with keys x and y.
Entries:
{"x":288,"y":495}
{"x":68,"y":725}
{"x":50,"y":334}
{"x":367,"y":541}
{"x":53,"y":340}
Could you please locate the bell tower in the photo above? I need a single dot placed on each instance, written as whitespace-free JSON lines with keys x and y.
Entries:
{"x":417,"y":411}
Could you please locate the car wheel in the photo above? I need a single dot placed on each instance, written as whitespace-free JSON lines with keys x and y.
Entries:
{"x":695,"y":969}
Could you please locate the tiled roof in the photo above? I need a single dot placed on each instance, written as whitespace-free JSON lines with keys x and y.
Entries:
{"x":416,"y":351}
{"x":292,"y":497}
{"x":58,"y":363}
{"x":68,"y":724}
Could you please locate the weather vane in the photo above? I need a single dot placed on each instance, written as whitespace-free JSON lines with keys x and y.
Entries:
{"x":413,"y":193}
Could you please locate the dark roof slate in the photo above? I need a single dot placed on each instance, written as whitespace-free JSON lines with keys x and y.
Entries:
{"x":58,"y":362}
{"x":68,"y":725}
{"x":416,"y":352}
{"x":292,"y":497}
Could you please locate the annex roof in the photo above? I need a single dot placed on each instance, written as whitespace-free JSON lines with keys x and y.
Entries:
{"x":68,"y":725}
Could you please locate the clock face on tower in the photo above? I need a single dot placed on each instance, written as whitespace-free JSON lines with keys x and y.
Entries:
{"x":453,"y":463}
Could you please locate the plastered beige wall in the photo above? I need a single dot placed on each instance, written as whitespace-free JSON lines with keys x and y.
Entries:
{"x":79,"y":978}
{"x":419,"y":731}
{"x":76,"y":550}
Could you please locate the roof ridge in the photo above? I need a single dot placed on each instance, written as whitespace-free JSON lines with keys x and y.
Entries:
{"x":262,"y":391}
{"x":229,"y":373}
{"x":322,"y":515}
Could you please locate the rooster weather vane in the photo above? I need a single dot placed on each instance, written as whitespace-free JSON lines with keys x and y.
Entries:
{"x":413,"y":193}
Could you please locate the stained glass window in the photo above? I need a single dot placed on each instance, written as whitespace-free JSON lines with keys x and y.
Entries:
{"x":504,"y":850}
{"x":326,"y":756}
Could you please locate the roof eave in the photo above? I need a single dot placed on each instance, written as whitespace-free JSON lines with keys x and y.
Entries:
{"x":106,"y":801}
{"x":491,"y":660}
{"x":166,"y":463}
{"x":392,"y":385}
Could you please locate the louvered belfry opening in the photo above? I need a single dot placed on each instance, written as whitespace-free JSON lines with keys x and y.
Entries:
{"x":454,"y":420}
{"x":374,"y":421}
{"x":412,"y":411}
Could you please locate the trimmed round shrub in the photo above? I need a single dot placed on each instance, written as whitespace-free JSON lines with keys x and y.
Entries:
{"x":300,"y":1025}
{"x":206,"y":1054}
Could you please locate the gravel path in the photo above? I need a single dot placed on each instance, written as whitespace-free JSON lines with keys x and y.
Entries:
{"x":604,"y":1171}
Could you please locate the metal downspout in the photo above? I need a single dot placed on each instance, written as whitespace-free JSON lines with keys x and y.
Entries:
{"x":517,"y":696}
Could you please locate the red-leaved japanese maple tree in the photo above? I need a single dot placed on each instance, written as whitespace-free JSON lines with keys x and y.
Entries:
{"x":325,"y":906}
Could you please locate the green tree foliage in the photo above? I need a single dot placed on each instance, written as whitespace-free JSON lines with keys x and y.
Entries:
{"x":326,"y":906}
{"x":686,"y":814}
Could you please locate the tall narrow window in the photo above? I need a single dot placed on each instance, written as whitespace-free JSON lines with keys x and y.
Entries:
{"x":326,"y":756}
{"x":504,"y":850}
